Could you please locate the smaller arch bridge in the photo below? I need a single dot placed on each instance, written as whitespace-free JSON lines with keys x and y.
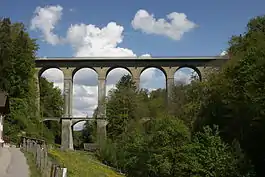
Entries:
{"x":73,"y":119}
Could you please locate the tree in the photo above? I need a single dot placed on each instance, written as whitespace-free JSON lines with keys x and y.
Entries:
{"x":17,"y":69}
{"x":51,"y":102}
{"x":17,"y":61}
{"x":157,"y":103}
{"x":237,"y":104}
{"x":121,"y":106}
{"x":208,"y":155}
{"x":5,"y":52}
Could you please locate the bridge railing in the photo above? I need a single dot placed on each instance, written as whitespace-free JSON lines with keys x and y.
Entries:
{"x":45,"y":165}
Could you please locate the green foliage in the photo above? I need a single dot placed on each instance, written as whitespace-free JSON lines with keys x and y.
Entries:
{"x":17,"y":55}
{"x":77,"y":138}
{"x":82,"y":164}
{"x":89,"y":132}
{"x":207,"y":155}
{"x":177,"y":141}
{"x":51,"y":99}
{"x":51,"y":105}
{"x":234,"y":99}
{"x":121,"y":106}
{"x":152,"y":153}
{"x":17,"y":70}
{"x":166,"y":149}
{"x":34,"y":172}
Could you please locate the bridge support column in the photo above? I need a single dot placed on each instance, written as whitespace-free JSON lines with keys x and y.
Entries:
{"x":136,"y":72}
{"x":37,"y":85}
{"x":68,"y":102}
{"x":68,"y":91}
{"x":101,"y":129}
{"x":67,"y":136}
{"x":101,"y":126}
{"x":170,"y":85}
{"x":170,"y":71}
{"x":202,"y":72}
{"x":136,"y":80}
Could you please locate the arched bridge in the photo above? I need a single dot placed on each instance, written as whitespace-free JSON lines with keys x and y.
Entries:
{"x":102,"y":66}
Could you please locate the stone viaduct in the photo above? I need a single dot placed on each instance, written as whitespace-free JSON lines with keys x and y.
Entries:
{"x":102,"y":66}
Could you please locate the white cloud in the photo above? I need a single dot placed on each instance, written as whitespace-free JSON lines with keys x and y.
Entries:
{"x":223,"y":53}
{"x":181,"y":77}
{"x":178,"y":24}
{"x":45,"y":20}
{"x":115,"y":75}
{"x":185,"y":75}
{"x":90,"y":40}
{"x":53,"y":74}
{"x":145,"y":56}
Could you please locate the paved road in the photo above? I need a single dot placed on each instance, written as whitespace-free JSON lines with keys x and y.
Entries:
{"x":13,"y":163}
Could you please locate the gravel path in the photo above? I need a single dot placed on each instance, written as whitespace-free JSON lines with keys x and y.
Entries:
{"x":13,"y":163}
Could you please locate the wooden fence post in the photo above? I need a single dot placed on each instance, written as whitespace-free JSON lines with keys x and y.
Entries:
{"x":39,"y":149}
{"x":64,"y":172}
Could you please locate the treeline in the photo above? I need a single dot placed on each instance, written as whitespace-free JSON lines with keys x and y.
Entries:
{"x":211,"y":128}
{"x":17,"y":69}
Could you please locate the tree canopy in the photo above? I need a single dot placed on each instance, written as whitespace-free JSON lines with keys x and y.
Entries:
{"x":17,"y":69}
{"x":211,"y":128}
{"x":231,"y":99}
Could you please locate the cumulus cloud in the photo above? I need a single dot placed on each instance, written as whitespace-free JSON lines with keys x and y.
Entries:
{"x":223,"y":53}
{"x":90,"y":40}
{"x":183,"y":76}
{"x":145,"y":56}
{"x":45,"y":19}
{"x":174,"y":28}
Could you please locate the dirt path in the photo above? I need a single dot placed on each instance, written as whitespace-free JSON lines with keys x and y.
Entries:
{"x":14,"y":163}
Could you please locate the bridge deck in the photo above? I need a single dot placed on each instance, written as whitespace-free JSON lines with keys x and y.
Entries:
{"x":127,"y":61}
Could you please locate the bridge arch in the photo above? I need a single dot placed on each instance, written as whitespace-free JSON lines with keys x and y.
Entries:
{"x":113,"y":77}
{"x":189,"y":71}
{"x":44,"y":69}
{"x":85,"y":92}
{"x":153,"y":78}
{"x":156,"y":67}
{"x":74,"y":122}
{"x":83,"y":67}
{"x":116,"y":67}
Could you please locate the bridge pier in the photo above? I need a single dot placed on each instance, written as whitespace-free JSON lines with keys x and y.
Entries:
{"x":67,"y":135}
{"x":37,"y":86}
{"x":101,"y":129}
{"x":101,"y":124}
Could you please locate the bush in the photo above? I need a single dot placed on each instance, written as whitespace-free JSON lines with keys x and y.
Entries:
{"x":147,"y":151}
{"x":208,"y":155}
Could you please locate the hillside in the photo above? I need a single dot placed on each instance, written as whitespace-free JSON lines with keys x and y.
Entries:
{"x":82,"y":164}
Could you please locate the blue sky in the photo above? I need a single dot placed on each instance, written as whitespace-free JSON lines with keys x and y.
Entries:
{"x":217,"y":21}
{"x":83,"y":28}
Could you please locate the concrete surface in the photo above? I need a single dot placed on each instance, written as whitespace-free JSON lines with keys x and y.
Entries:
{"x":13,"y":163}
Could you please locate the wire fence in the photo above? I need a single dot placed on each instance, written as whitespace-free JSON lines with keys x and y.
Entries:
{"x":39,"y":149}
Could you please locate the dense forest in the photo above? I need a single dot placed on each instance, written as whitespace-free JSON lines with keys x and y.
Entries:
{"x":17,"y":69}
{"x":215,"y":127}
{"x":211,"y":128}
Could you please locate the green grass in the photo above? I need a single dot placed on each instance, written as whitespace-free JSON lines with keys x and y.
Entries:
{"x":34,"y":172}
{"x":82,"y":164}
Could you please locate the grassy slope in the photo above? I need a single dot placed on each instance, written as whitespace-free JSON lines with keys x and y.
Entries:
{"x":82,"y":164}
{"x":32,"y":166}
